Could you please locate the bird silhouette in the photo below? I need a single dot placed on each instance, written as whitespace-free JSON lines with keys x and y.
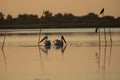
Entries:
{"x":102,"y":11}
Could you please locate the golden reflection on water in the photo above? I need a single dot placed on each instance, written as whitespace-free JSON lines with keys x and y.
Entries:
{"x":79,"y":60}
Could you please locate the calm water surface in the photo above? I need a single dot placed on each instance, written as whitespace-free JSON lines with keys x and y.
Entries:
{"x":58,"y":30}
{"x":81,"y":59}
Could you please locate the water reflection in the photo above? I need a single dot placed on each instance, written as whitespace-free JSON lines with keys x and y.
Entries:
{"x":110,"y":54}
{"x":102,"y":57}
{"x":46,"y":49}
{"x":4,"y":58}
{"x":42,"y":63}
{"x":28,"y":61}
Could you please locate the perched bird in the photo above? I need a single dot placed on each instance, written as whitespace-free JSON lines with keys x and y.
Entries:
{"x":102,"y":11}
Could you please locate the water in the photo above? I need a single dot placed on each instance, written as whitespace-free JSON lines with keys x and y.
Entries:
{"x":81,"y":59}
{"x":58,"y":30}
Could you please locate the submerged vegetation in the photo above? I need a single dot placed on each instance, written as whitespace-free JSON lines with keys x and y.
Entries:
{"x":59,"y":20}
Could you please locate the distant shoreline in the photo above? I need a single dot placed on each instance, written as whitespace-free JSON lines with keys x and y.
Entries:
{"x":49,"y":26}
{"x":59,"y":20}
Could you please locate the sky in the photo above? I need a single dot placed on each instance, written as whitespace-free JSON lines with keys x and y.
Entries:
{"x":76,"y":7}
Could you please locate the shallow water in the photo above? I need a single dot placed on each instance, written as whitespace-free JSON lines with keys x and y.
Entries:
{"x":81,"y":59}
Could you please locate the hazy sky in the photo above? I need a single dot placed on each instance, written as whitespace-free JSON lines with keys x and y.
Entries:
{"x":76,"y":7}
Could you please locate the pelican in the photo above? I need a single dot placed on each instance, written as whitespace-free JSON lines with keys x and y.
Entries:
{"x":47,"y":42}
{"x":59,"y":43}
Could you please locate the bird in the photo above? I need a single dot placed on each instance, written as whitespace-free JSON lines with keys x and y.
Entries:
{"x":47,"y":42}
{"x":96,"y":30}
{"x":102,"y":11}
{"x":60,"y":43}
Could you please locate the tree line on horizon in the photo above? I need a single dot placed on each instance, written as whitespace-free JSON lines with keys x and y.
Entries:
{"x":59,"y":18}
